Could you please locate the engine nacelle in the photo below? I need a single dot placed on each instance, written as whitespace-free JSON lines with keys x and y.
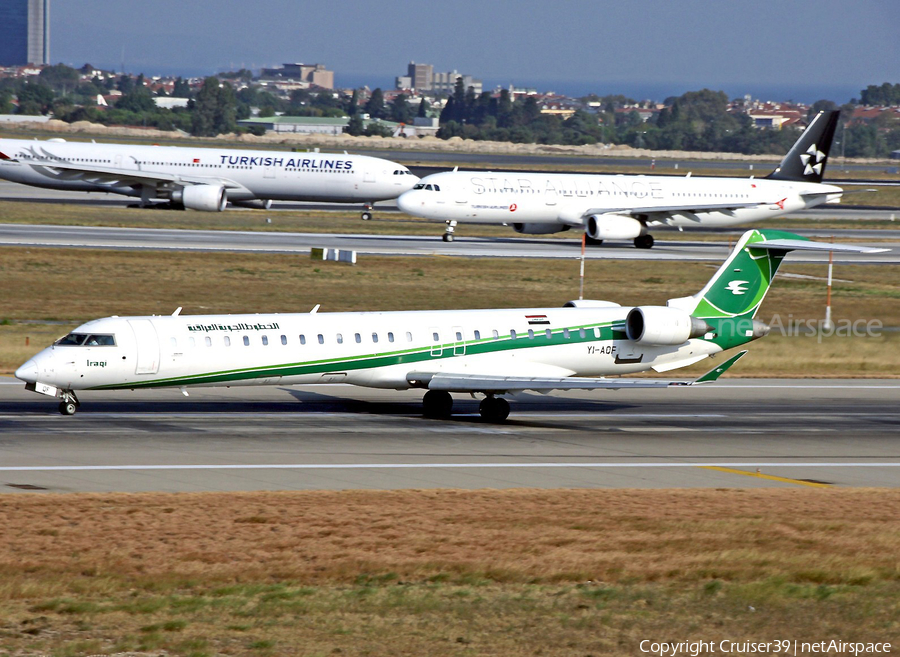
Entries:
{"x":659,"y":325}
{"x":612,"y":227}
{"x":206,"y":198}
{"x":590,"y":303}
{"x":539,"y":229}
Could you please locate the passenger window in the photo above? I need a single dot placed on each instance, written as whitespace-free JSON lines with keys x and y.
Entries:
{"x":596,"y":332}
{"x":531,"y":334}
{"x":227,"y":341}
{"x":390,"y":337}
{"x":340,"y":338}
{"x":265,"y":340}
{"x":435,"y":337}
{"x":246,"y":340}
{"x":478,"y":335}
{"x":513,"y":334}
{"x":192,"y":342}
{"x":283,"y":339}
{"x":408,"y":336}
{"x":302,"y":339}
{"x":357,"y":337}
{"x":321,"y":339}
{"x":174,"y":343}
{"x":495,"y":334}
{"x":581,"y":332}
{"x":208,"y":341}
{"x":458,"y":336}
{"x":374,"y":337}
{"x":566,"y":333}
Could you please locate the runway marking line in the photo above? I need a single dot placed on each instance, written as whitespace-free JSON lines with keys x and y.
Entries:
{"x":760,"y":475}
{"x":403,"y":466}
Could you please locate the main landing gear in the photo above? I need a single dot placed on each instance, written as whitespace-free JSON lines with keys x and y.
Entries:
{"x":640,"y":242}
{"x":438,"y":404}
{"x":448,"y":233}
{"x":69,"y":403}
{"x":367,"y":212}
{"x":643,"y":242}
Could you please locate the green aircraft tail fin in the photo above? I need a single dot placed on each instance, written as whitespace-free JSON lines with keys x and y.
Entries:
{"x":739,"y":286}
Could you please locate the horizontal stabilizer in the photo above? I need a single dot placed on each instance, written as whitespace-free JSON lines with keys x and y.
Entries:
{"x":805,"y":245}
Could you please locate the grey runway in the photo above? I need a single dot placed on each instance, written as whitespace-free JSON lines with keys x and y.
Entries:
{"x":399,"y":245}
{"x":741,"y":433}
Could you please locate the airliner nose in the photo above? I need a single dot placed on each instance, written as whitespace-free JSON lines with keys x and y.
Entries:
{"x":404,"y":202}
{"x":28,"y":372}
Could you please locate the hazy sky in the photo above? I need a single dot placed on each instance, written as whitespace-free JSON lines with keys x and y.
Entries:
{"x":661,"y":46}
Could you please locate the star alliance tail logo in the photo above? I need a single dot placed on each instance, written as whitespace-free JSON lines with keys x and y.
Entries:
{"x":813,"y":161}
{"x":737,"y":287}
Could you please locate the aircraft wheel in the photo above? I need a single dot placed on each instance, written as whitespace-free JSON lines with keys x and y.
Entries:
{"x":67,"y":407}
{"x":448,"y":237}
{"x":643,"y":242}
{"x":494,"y":409}
{"x":437,"y":404}
{"x":366,"y":216}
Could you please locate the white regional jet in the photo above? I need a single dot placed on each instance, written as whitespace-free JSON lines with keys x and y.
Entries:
{"x":625,"y":207}
{"x":203,"y":178}
{"x":491,"y":352}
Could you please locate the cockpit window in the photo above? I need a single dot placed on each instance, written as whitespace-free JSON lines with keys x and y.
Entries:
{"x":419,"y":186}
{"x":87,"y":340}
{"x":71,"y":340}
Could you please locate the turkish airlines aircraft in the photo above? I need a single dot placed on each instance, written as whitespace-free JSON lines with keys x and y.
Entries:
{"x":620,"y":207}
{"x":203,"y":178}
{"x":491,"y":352}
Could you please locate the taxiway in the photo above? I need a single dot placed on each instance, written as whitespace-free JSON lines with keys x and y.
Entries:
{"x":739,"y":433}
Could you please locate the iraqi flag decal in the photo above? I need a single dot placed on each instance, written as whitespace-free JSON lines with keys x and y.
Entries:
{"x":537,"y":319}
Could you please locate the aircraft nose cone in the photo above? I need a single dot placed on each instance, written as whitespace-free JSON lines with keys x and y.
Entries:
{"x":403,"y":202}
{"x":28,"y":372}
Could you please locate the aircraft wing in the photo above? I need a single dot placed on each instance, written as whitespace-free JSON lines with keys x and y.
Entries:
{"x":661,"y":209}
{"x":113,"y":177}
{"x":451,"y":382}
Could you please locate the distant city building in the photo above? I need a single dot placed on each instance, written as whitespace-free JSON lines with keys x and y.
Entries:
{"x":24,"y":32}
{"x":421,"y":77}
{"x":445,"y":83}
{"x":314,"y":74}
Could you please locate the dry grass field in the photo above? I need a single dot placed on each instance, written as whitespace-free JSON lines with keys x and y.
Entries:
{"x":69,"y":286}
{"x":517,"y":572}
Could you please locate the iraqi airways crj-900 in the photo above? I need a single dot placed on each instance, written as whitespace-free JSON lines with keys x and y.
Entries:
{"x":203,"y":178}
{"x":491,"y":352}
{"x":626,"y":207}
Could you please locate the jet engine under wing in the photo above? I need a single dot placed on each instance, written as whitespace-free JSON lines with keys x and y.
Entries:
{"x":113,"y":177}
{"x":503,"y":384}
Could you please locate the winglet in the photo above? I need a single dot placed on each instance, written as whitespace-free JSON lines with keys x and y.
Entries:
{"x":718,"y":371}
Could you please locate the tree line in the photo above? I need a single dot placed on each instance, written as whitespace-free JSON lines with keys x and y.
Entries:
{"x":694,"y":121}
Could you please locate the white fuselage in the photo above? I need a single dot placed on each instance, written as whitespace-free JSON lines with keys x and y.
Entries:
{"x":366,"y":349}
{"x":246,"y":174}
{"x":566,"y":199}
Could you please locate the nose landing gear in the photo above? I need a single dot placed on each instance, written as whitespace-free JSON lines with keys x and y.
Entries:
{"x":448,"y":233}
{"x":367,"y":212}
{"x":69,"y":404}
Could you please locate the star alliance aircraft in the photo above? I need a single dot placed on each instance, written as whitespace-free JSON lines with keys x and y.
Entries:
{"x":626,"y":207}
